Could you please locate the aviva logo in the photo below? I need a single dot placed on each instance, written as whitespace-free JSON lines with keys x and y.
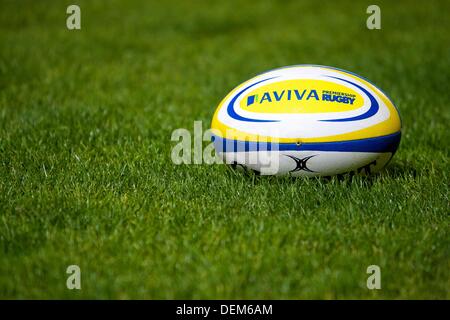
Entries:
{"x":278,"y":96}
{"x":302,"y":96}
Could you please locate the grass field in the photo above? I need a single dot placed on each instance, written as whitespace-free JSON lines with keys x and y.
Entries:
{"x":86,"y":176}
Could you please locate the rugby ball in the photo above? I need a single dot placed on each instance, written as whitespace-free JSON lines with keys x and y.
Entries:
{"x":306,"y":120}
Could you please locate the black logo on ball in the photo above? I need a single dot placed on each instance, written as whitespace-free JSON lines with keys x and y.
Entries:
{"x":301,"y":163}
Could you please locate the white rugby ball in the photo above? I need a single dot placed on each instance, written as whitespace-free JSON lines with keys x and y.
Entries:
{"x":307,"y":120}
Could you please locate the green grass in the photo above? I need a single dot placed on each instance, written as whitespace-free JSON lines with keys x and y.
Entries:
{"x":86,"y":177}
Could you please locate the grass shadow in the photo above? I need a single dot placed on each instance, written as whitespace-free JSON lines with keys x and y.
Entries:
{"x":393,"y":170}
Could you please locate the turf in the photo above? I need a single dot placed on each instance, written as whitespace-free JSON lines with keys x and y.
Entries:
{"x":86,"y":176}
